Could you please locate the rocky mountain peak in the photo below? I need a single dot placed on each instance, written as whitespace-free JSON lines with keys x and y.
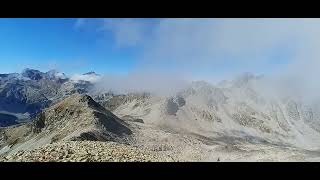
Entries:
{"x":32,"y":74}
{"x":79,"y":117}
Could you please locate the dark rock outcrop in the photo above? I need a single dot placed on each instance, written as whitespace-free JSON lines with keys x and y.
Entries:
{"x":174,"y":103}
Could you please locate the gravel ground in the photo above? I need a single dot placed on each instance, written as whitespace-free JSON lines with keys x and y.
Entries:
{"x":86,"y":151}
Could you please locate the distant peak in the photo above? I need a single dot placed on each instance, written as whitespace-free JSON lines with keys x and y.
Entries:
{"x":91,"y":73}
{"x":30,"y":70}
{"x":32,"y":74}
{"x":245,"y":78}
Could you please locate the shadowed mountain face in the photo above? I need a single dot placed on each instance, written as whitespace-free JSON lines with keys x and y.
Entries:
{"x":7,"y":120}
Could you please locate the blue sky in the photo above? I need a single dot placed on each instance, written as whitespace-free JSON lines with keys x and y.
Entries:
{"x":57,"y":43}
{"x":197,"y":48}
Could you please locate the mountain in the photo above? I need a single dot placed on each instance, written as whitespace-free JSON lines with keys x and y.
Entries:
{"x":33,"y":74}
{"x":76,"y":118}
{"x":236,"y":109}
{"x":31,"y":91}
{"x":82,"y":117}
{"x":91,"y":73}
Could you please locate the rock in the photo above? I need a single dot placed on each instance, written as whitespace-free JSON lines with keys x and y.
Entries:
{"x":133,"y":119}
{"x":120,"y":153}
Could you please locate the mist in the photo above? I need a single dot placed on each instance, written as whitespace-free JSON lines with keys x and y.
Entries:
{"x":177,"y":51}
{"x":158,"y":84}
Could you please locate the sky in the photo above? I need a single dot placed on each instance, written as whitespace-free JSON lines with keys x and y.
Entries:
{"x":118,"y":46}
{"x":164,"y":50}
{"x":46,"y":44}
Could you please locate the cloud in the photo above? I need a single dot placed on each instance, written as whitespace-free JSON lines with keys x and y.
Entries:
{"x":156,"y":83}
{"x":286,"y":49}
{"x":85,"y":77}
{"x":214,"y":42}
{"x":127,"y":32}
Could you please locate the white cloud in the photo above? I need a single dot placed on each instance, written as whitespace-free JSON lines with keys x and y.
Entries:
{"x":161,"y":84}
{"x":188,"y":46}
{"x":85,"y":77}
{"x":213,"y":41}
{"x":127,"y":32}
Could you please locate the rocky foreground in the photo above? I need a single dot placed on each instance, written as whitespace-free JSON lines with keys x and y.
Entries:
{"x":86,"y":151}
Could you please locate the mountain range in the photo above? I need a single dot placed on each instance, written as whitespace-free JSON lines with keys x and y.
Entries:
{"x":234,"y":120}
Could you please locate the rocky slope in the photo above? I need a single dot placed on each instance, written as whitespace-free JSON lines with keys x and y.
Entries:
{"x":235,"y":109}
{"x":80,"y":117}
{"x":76,"y":118}
{"x":86,"y":151}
